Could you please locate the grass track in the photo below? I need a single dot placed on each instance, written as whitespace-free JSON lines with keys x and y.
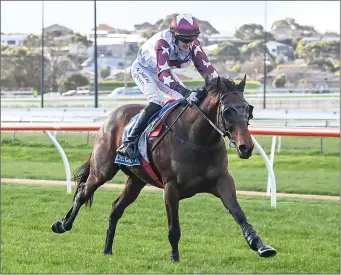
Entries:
{"x":305,"y":233}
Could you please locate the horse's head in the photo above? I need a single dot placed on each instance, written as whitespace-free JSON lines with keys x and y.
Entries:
{"x":234,"y":112}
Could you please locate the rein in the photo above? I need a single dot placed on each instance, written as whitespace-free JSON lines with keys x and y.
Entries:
{"x":193,"y":146}
{"x":224,"y":134}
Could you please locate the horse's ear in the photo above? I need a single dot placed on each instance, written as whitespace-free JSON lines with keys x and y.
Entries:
{"x":241,"y":85}
{"x":218,"y":80}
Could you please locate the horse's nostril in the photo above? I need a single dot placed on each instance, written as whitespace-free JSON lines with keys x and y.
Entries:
{"x":243,"y":148}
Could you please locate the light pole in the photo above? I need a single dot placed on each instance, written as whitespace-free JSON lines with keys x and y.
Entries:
{"x":42,"y":56}
{"x":95,"y":56}
{"x":125,"y":56}
{"x":264,"y":82}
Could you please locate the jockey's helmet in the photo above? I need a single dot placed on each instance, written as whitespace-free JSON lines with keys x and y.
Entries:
{"x":185,"y":27}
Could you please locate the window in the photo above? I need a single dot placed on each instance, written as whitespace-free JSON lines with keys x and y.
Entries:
{"x":10,"y":42}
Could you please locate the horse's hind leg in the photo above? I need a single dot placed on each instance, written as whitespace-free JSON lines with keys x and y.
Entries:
{"x":98,"y":170}
{"x":225,"y":190}
{"x":131,"y":191}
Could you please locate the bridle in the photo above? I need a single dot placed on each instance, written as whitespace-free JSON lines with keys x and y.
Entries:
{"x":224,"y":108}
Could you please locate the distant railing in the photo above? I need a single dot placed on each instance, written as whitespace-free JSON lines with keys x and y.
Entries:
{"x":262,"y":117}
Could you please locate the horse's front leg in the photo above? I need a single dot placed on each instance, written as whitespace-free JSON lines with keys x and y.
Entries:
{"x":225,"y":190}
{"x":129,"y":194}
{"x":171,"y":196}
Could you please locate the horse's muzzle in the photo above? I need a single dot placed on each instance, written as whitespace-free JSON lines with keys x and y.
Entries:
{"x":245,"y":151}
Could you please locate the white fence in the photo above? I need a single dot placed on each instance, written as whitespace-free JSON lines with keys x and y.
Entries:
{"x":274,"y":131}
{"x":82,"y":117}
{"x":273,"y":101}
{"x":262,"y":117}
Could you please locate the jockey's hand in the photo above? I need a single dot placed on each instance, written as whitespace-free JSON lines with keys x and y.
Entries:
{"x":193,"y":99}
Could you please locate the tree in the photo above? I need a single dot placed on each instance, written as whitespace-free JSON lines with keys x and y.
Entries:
{"x":250,"y":32}
{"x":279,"y":81}
{"x":254,"y":49}
{"x":23,"y":64}
{"x":319,"y":51}
{"x":74,"y":81}
{"x":80,"y":39}
{"x":20,"y":67}
{"x":291,"y":24}
{"x":227,"y":51}
{"x":148,"y":33}
{"x":32,"y":41}
{"x":253,"y":66}
{"x":237,"y":68}
{"x":105,"y":72}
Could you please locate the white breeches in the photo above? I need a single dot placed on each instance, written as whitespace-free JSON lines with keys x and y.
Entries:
{"x":151,"y":86}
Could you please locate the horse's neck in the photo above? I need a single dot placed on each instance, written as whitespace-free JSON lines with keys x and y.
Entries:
{"x":201,"y":131}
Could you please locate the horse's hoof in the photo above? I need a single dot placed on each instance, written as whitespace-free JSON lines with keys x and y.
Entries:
{"x":267,"y":251}
{"x":175,"y":257}
{"x":107,"y":252}
{"x":57,"y":227}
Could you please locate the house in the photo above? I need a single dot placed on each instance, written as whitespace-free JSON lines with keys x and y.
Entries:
{"x":118,"y":45}
{"x":279,"y":49}
{"x":144,"y":26}
{"x":101,"y":31}
{"x":13,"y":39}
{"x":55,"y":27}
{"x":104,"y":27}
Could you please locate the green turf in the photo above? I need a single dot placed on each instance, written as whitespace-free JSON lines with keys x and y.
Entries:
{"x":299,"y":167}
{"x":305,"y":233}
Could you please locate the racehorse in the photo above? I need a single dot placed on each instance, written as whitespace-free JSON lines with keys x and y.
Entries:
{"x":190,"y":159}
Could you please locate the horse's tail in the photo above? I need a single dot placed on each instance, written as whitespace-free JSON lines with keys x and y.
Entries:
{"x":80,"y":175}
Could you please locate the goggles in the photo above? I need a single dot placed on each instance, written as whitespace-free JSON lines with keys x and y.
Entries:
{"x":186,"y":39}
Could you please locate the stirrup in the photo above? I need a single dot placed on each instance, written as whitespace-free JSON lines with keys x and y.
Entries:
{"x":125,"y":149}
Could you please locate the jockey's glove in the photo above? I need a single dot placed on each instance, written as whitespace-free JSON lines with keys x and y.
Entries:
{"x":192,"y":97}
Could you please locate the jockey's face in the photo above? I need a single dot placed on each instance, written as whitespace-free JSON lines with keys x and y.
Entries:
{"x":184,"y":46}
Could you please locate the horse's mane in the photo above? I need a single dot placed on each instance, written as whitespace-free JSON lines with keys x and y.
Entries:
{"x":228,"y":82}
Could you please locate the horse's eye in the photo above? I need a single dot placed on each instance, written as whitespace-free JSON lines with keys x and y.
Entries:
{"x":229,"y":113}
{"x":250,"y":114}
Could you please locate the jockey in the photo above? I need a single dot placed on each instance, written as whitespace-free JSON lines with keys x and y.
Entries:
{"x":152,"y":71}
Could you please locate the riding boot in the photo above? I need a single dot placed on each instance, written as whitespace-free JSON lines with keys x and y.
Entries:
{"x":128,"y":148}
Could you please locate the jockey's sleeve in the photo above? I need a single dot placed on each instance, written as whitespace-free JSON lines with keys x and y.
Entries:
{"x":201,"y":62}
{"x":162,"y":49}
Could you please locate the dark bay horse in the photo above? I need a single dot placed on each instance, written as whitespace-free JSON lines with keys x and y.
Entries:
{"x":191,"y":159}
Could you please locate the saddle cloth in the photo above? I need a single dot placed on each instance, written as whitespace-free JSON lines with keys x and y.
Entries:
{"x":153,"y":129}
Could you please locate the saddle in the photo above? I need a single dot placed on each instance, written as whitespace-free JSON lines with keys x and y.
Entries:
{"x":154,"y":129}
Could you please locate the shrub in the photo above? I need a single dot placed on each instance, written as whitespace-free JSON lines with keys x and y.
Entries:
{"x":279,"y":81}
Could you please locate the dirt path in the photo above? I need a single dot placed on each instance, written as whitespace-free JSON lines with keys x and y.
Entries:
{"x":120,"y":186}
